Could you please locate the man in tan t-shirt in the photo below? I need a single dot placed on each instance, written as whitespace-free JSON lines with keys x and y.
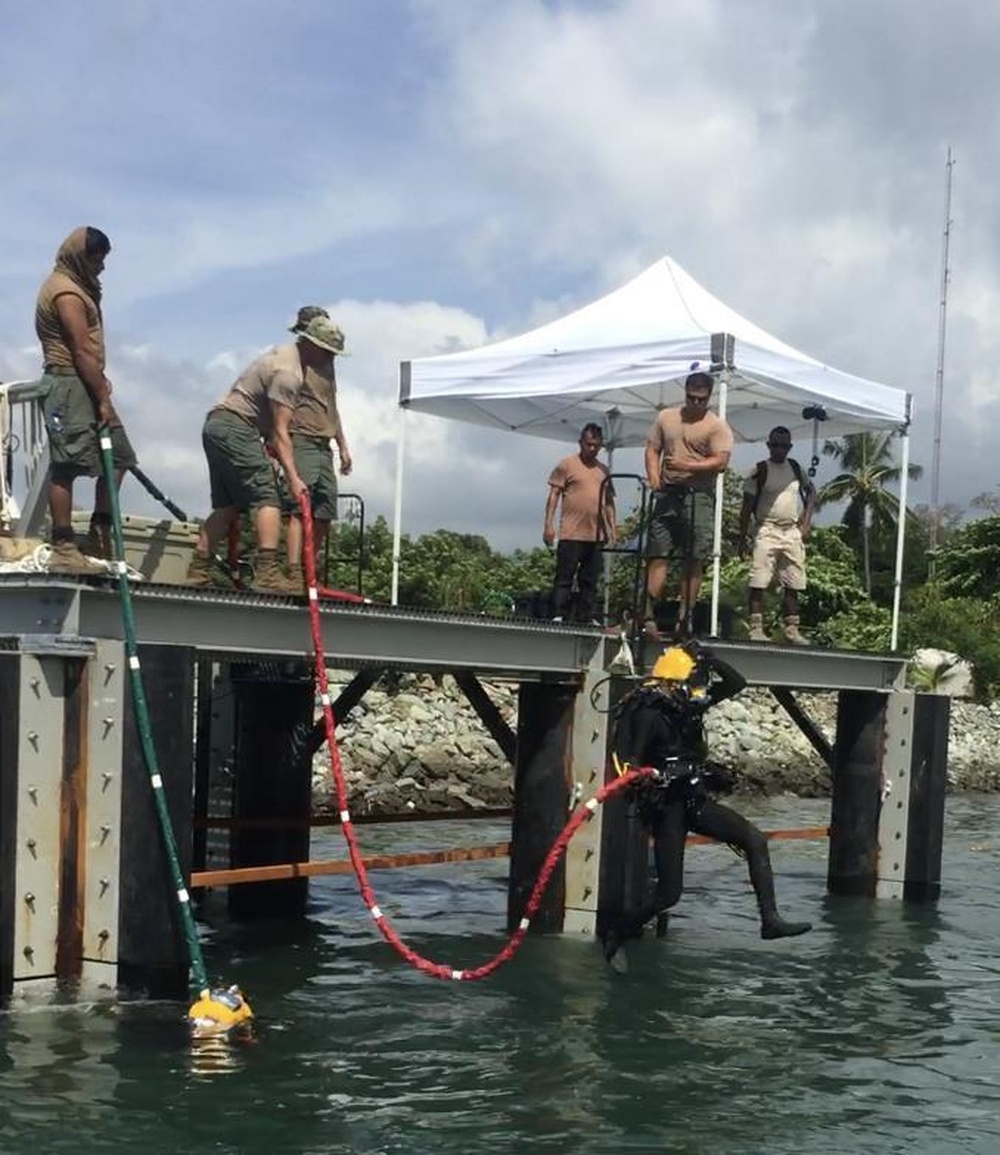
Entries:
{"x":315,"y":424}
{"x":773,"y":495}
{"x":256,"y":411}
{"x":687,"y":448}
{"x":76,"y":397}
{"x":587,"y":521}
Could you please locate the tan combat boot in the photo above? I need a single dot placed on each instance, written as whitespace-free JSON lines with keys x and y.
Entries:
{"x":269,"y":579}
{"x":791,"y":631}
{"x":66,"y":558}
{"x":98,"y":542}
{"x":757,"y":633}
{"x":297,"y":578}
{"x":200,"y":570}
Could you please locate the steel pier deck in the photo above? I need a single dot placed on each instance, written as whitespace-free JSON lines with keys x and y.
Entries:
{"x":42,"y":611}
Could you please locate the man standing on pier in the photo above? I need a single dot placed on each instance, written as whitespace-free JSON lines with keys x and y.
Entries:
{"x":687,"y":448}
{"x":587,"y":521}
{"x":315,"y":424}
{"x":771,"y":495}
{"x":257,"y":410}
{"x":76,"y":397}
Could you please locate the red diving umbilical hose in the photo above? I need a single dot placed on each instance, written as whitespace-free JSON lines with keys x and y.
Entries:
{"x":583,"y":812}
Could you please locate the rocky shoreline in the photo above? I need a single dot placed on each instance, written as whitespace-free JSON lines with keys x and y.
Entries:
{"x":415,"y":743}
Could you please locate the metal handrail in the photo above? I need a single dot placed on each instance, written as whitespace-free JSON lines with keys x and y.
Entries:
{"x":25,"y":454}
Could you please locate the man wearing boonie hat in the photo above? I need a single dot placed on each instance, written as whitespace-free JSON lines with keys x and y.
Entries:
{"x":257,"y":410}
{"x":315,"y":423}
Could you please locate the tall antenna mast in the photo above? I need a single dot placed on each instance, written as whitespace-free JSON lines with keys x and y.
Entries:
{"x":939,"y":377}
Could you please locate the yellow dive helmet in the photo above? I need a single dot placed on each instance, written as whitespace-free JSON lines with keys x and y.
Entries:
{"x":675,"y":664}
{"x":219,"y":1011}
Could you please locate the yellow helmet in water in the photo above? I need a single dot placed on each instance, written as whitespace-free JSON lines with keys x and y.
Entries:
{"x":675,"y":664}
{"x":217,"y":1012}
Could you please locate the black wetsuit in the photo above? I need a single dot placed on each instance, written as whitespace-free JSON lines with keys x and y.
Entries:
{"x":661,"y":725}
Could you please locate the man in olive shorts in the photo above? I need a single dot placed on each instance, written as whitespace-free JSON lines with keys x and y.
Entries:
{"x":687,"y":447}
{"x":76,"y":397}
{"x":257,"y":410}
{"x":315,"y":423}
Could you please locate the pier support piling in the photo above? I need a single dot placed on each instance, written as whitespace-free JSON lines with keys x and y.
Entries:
{"x":541,"y":795}
{"x":889,"y":782}
{"x":273,"y":769}
{"x":857,"y":789}
{"x":152,"y":954}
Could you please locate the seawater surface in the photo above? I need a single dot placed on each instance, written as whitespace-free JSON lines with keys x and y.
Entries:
{"x":878,"y":1032}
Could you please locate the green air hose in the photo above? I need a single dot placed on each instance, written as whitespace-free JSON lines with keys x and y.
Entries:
{"x":199,"y":976}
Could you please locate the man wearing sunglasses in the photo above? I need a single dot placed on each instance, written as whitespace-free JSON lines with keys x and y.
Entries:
{"x":687,"y":448}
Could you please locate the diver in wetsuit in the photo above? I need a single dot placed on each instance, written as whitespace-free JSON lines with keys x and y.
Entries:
{"x":661,"y":724}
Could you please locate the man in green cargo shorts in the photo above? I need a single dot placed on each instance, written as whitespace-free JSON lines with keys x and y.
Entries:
{"x":687,"y":448}
{"x":315,"y":424}
{"x":255,"y":412}
{"x":76,"y":397}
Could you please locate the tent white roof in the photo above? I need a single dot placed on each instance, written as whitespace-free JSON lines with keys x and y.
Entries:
{"x":619,"y":359}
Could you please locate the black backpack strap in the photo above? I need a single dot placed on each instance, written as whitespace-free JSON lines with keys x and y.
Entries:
{"x":760,"y":480}
{"x":805,"y":486}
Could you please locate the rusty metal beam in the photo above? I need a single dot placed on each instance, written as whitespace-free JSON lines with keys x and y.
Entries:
{"x":489,"y":715}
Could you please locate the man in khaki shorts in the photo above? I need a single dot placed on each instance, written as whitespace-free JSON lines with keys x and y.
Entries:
{"x":687,"y":448}
{"x":772,"y":494}
{"x":315,"y":423}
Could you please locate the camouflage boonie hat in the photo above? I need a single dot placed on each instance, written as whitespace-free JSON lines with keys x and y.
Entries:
{"x":306,"y":314}
{"x":323,"y":333}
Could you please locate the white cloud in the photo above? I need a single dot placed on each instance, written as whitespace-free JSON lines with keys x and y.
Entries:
{"x":468,"y":170}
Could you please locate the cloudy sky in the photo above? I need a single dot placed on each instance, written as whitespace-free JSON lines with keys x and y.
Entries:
{"x":441,"y":173}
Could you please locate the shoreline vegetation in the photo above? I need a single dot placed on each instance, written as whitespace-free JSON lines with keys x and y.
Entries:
{"x":415,"y":743}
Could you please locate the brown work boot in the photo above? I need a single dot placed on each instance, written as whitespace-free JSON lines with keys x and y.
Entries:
{"x":757,"y":633}
{"x":791,"y":631}
{"x":98,"y":542}
{"x":66,"y":558}
{"x":269,"y":579}
{"x":200,"y":570}
{"x":297,"y":578}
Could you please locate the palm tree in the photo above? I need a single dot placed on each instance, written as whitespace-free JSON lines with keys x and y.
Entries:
{"x":866,"y":462}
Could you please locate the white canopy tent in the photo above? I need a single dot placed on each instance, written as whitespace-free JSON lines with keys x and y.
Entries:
{"x":620,"y":359}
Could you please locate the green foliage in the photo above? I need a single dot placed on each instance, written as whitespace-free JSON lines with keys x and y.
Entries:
{"x":969,"y":627}
{"x":865,"y":626}
{"x":440,"y":570}
{"x":834,"y":583}
{"x":960,"y":613}
{"x":968,"y":565}
{"x":928,"y":679}
{"x":871,"y":509}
